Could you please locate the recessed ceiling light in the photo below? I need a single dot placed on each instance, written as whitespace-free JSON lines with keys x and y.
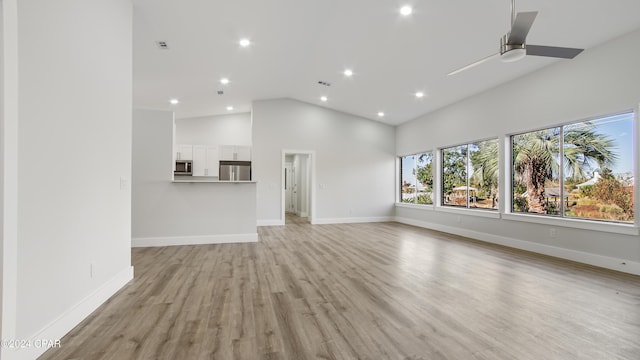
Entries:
{"x":229,"y":108}
{"x":419,"y":94}
{"x":406,"y":10}
{"x":224,"y":81}
{"x":174,"y":101}
{"x":245,"y":42}
{"x":380,"y":114}
{"x":323,"y":98}
{"x":348,"y":72}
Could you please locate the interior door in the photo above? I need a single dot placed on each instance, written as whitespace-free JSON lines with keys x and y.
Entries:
{"x":289,"y":188}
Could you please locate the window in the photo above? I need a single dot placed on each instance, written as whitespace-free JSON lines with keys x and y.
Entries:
{"x":582,"y":170}
{"x":470,"y":175}
{"x":416,"y":179}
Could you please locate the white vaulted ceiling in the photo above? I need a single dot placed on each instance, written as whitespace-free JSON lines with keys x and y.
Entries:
{"x":296,"y":43}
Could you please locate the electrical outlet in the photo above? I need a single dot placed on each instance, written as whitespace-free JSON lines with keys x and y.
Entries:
{"x":458,"y":219}
{"x":552,"y":233}
{"x":123,"y":183}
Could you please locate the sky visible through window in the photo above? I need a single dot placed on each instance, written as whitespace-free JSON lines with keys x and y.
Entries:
{"x":620,"y":129}
{"x":408,"y":166}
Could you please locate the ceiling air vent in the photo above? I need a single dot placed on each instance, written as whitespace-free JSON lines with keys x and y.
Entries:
{"x":162,"y":45}
{"x":324,"y":83}
{"x":220,"y":92}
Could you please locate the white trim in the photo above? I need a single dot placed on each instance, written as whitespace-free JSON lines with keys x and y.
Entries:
{"x":437,"y":177}
{"x":429,"y":207}
{"x":193,"y":240}
{"x":574,"y":223}
{"x":636,"y":170}
{"x":326,"y":221}
{"x":74,"y":315}
{"x":504,"y":176}
{"x":398,"y":179}
{"x":494,"y":214}
{"x":271,"y":222}
{"x":311,"y":206}
{"x":623,"y":265}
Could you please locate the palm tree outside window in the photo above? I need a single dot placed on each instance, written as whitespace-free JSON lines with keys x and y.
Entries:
{"x":470,"y":175}
{"x":580,"y":170}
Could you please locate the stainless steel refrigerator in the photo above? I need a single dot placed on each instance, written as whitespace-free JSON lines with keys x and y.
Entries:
{"x":235,"y":170}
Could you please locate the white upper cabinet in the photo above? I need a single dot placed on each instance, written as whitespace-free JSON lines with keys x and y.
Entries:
{"x":235,"y":152}
{"x":205,"y":160}
{"x":213,"y":161}
{"x":184,"y":152}
{"x":227,"y":152}
{"x":199,"y":160}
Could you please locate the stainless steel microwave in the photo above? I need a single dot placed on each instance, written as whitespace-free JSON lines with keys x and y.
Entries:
{"x":184,"y":167}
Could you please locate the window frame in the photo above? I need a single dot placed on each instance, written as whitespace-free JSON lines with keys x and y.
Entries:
{"x":561,"y":172}
{"x":454,"y":208}
{"x":507,"y":212}
{"x":505,"y":161}
{"x":415,"y":204}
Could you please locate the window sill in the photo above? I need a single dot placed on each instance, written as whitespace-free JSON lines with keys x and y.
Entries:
{"x":415,"y":206}
{"x":493,"y":214}
{"x":574,"y":223}
{"x":624,"y":229}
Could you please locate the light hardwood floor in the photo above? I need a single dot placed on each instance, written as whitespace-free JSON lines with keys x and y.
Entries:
{"x":293,"y":219}
{"x":360,"y":291}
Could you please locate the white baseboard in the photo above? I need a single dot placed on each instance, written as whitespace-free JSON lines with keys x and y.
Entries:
{"x":72,"y":317}
{"x":352,"y":220}
{"x":274,"y":222}
{"x":326,"y":221}
{"x":622,"y":265}
{"x":193,"y":240}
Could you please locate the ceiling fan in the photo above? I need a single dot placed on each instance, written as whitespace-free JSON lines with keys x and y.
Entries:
{"x":513,"y":46}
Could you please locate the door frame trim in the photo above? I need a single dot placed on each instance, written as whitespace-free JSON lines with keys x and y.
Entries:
{"x":312,"y":182}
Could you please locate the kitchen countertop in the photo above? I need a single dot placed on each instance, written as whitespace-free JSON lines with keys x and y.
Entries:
{"x":213,"y":180}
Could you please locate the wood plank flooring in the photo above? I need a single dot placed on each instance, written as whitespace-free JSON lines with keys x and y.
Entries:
{"x":360,"y":291}
{"x":293,"y":219}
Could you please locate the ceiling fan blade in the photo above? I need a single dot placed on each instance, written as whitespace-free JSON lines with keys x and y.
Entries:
{"x":553,"y":51}
{"x":474,"y":64}
{"x":520,"y":27}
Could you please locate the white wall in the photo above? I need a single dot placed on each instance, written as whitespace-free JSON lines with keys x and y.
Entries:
{"x":166,"y":213}
{"x":73,"y":147}
{"x":600,"y":81}
{"x":232,"y":129}
{"x":9,"y":165}
{"x":354,"y":160}
{"x":2,"y":172}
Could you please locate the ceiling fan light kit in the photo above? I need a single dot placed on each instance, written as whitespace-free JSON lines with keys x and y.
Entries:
{"x":513,"y":46}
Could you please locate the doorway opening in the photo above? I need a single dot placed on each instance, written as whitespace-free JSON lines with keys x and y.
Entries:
{"x":298,"y":179}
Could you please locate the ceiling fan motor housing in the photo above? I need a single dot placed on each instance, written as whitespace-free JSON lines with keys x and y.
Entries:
{"x":511,"y":52}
